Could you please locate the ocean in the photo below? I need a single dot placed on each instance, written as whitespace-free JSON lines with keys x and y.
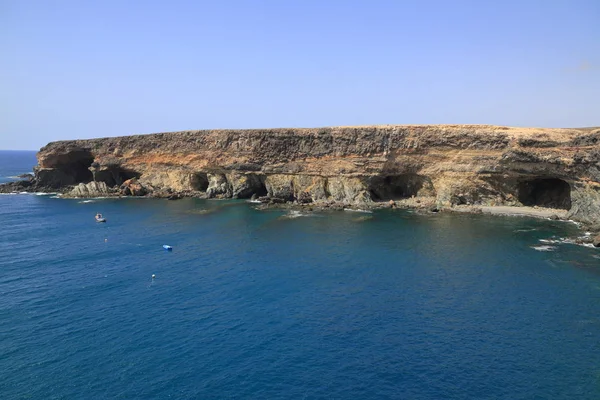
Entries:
{"x":14,"y":163}
{"x":278,"y":304}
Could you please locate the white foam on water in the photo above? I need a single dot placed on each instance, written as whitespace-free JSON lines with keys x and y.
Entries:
{"x":544,"y":248}
{"x":552,"y":241}
{"x":297,"y":214}
{"x":18,"y":177}
{"x":254,"y":201}
{"x":33,"y":193}
{"x":525,"y":230}
{"x":568,"y":241}
{"x":87,"y":201}
{"x":358,"y":210}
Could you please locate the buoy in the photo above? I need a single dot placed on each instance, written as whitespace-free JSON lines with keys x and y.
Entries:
{"x":105,"y":240}
{"x":153,"y":276}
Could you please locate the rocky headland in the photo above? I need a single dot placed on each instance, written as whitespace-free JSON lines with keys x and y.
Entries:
{"x":426,"y":166}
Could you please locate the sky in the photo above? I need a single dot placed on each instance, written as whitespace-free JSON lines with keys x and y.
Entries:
{"x":83,"y":69}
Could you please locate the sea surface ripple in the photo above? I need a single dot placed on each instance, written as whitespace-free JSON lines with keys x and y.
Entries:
{"x":254,"y":304}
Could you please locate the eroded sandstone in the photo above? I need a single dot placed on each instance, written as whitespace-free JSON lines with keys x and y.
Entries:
{"x":470,"y":165}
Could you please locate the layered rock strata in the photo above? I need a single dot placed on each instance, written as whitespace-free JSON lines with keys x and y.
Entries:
{"x":448,"y":164}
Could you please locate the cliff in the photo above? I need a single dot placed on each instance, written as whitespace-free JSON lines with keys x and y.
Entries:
{"x":450,"y":164}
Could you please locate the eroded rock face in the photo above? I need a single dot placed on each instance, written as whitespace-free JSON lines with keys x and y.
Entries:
{"x":453,"y":164}
{"x":90,"y":189}
{"x":132,"y":187}
{"x":218,"y":186}
{"x":243,"y":186}
{"x":585,"y":202}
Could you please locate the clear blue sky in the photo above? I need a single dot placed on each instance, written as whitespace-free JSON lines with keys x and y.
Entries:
{"x":81,"y":69}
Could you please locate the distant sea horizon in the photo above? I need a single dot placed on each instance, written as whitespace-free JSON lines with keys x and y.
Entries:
{"x":17,"y":150}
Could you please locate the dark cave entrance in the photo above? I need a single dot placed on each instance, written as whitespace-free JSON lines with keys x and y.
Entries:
{"x":545,"y":192}
{"x":260,"y":189}
{"x":199,"y":181}
{"x":396,"y":187}
{"x":254,"y":186}
{"x":114,"y":175}
{"x":78,"y":166}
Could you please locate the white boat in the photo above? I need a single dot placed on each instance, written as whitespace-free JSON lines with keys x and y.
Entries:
{"x":100,"y":218}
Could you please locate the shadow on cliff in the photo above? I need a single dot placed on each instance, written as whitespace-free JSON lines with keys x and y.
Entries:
{"x":66,"y":169}
{"x":545,"y":192}
{"x":548,"y":192}
{"x":397,"y":187}
{"x":112,"y":175}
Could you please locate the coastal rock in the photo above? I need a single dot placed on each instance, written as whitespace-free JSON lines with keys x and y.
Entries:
{"x":164,"y":178}
{"x":244,"y":186}
{"x":16,"y":187}
{"x":54,"y":178}
{"x":280,"y":186}
{"x":132,"y":187}
{"x":218,"y":186}
{"x":305,"y":198}
{"x":455,"y":165}
{"x":596,"y":241}
{"x":585,"y":202}
{"x":91,"y":189}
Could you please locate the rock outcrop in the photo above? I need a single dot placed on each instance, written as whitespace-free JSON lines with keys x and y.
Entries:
{"x":451,"y":164}
{"x":132,"y":187}
{"x":90,"y":189}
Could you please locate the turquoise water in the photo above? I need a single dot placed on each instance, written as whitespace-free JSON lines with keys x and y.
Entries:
{"x":275,"y":305}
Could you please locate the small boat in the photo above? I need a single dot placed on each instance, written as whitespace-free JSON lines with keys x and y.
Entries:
{"x":100,"y":218}
{"x":167,"y":247}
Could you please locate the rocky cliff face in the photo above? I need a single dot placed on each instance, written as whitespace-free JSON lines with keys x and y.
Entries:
{"x":451,"y":164}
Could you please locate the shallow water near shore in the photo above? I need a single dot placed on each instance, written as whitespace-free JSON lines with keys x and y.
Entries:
{"x":282,"y":304}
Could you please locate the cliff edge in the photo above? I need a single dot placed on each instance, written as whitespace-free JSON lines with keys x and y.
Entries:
{"x":451,"y":164}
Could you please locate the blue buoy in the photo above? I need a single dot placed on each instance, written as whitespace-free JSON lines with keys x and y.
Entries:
{"x":167,"y":247}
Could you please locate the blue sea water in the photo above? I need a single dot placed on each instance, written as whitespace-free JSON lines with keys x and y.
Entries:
{"x":257,"y":304}
{"x":14,"y":163}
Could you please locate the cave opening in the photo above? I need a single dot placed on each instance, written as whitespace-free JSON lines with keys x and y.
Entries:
{"x":199,"y":181}
{"x":260,"y":189}
{"x":253,"y":186}
{"x":397,"y":187}
{"x":545,"y":192}
{"x":114,"y":175}
{"x":78,"y":166}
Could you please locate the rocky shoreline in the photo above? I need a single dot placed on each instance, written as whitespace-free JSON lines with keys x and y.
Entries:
{"x":458,"y":168}
{"x":420,"y":205}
